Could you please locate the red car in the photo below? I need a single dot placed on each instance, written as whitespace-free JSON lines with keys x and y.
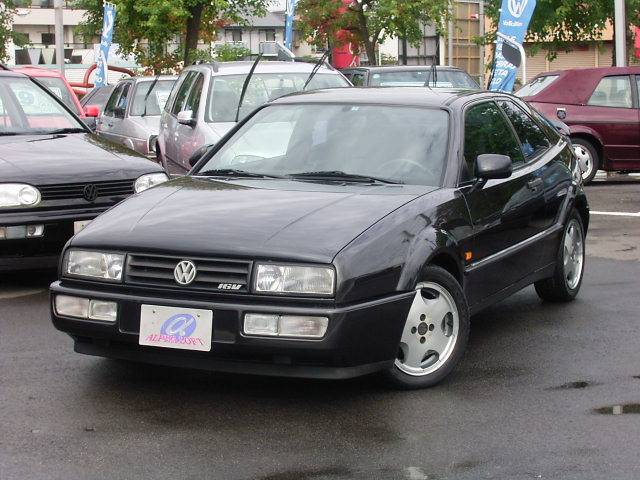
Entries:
{"x":58,"y":84}
{"x":600,"y":106}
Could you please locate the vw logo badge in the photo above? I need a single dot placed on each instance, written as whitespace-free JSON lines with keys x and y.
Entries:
{"x":90,"y":192}
{"x":185,"y":272}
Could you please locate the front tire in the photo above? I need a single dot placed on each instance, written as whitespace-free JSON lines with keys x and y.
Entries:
{"x":588,"y":155}
{"x":435,"y":333}
{"x":567,"y":278}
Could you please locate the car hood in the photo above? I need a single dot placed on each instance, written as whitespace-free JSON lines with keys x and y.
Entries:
{"x":150,"y":124}
{"x":268,"y":219}
{"x":52,"y":159}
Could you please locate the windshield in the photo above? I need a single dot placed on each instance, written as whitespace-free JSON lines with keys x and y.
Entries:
{"x":536,"y":86}
{"x":417,"y":78}
{"x":25,"y":108}
{"x":156,"y":99}
{"x":393,"y":143}
{"x":225,"y":90}
{"x":59,"y":88}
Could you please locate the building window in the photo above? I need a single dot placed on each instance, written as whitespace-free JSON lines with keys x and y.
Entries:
{"x":49,"y":38}
{"x":235,"y":34}
{"x":269,"y":35}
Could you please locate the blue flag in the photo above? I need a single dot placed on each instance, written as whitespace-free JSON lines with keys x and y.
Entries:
{"x":515,"y":16}
{"x":105,"y":44}
{"x":288,"y":25}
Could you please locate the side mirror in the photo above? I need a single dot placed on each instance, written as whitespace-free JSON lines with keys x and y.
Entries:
{"x":186,"y":118}
{"x":92,"y":111}
{"x":198,"y":154}
{"x":492,"y":165}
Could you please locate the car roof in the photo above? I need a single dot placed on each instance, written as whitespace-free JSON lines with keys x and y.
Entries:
{"x":38,"y":72}
{"x":231,"y":68}
{"x":403,"y":68}
{"x":10,"y":73}
{"x":410,"y":96}
{"x":148,"y":78}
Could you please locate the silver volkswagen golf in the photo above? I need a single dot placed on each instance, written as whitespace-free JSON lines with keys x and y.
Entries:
{"x":131,"y":116}
{"x":205,"y":102}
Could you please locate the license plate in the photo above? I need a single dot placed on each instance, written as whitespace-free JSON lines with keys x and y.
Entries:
{"x":175,"y":327}
{"x":79,"y":226}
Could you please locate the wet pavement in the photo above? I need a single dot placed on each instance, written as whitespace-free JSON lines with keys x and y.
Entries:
{"x":544,"y":391}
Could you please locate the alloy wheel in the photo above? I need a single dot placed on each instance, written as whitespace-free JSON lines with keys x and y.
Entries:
{"x":573,"y":256}
{"x":585,"y":160}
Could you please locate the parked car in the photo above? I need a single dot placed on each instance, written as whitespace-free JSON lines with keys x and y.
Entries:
{"x":204,"y":103}
{"x":600,"y":106}
{"x":95,"y":100}
{"x":333,"y":234}
{"x":55,"y":175}
{"x":58,"y":84}
{"x":410,"y":76}
{"x":131,"y":116}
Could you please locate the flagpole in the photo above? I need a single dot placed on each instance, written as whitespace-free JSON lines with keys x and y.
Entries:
{"x":59,"y":33}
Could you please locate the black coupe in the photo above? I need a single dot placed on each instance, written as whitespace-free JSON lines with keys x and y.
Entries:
{"x":55,"y":175}
{"x":334,"y":234}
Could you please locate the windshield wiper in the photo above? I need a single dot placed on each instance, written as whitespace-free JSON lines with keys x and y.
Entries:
{"x":232,"y":172}
{"x":338,"y":174}
{"x":64,"y":130}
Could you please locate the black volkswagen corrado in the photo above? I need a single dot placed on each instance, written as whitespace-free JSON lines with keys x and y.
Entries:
{"x":54,"y":174}
{"x":334,"y":234}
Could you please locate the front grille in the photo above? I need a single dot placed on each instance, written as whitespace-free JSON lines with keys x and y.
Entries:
{"x":76,"y":190}
{"x":221,"y":275}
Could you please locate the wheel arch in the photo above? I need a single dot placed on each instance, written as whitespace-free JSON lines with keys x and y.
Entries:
{"x":447,"y":260}
{"x":591,"y":136}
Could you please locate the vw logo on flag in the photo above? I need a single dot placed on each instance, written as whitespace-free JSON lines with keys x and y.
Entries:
{"x":516,"y":7}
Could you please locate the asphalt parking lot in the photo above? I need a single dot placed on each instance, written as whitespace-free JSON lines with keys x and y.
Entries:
{"x":544,"y":391}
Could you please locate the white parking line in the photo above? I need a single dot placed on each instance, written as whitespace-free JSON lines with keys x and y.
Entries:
{"x":616,"y":214}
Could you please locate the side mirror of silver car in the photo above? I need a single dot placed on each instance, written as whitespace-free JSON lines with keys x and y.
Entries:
{"x":186,"y":118}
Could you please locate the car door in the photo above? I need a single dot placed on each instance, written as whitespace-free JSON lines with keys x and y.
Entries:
{"x":169,"y":124}
{"x":612,"y":111}
{"x":188,"y":137}
{"x":104,"y":125}
{"x":507,"y":214}
{"x":118,"y":125}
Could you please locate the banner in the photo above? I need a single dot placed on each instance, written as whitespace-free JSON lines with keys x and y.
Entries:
{"x":105,"y":43}
{"x":515,"y":16}
{"x":288,"y":25}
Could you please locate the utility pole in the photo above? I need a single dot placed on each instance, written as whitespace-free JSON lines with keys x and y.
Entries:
{"x":59,"y":31}
{"x":620,"y":24}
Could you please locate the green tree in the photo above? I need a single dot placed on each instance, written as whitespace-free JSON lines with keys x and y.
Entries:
{"x":7,"y":11}
{"x":149,"y":28}
{"x":369,"y":22}
{"x":557,"y":25}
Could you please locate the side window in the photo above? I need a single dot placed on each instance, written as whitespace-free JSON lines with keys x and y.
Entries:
{"x":111,"y":103}
{"x":532,"y":138}
{"x":121,"y":104}
{"x":358,"y":79}
{"x":612,"y":91}
{"x":486,"y":130}
{"x":193,"y":100}
{"x":183,"y":92}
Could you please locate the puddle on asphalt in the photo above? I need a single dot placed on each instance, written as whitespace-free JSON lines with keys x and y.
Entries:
{"x":619,"y":409}
{"x":573,"y":385}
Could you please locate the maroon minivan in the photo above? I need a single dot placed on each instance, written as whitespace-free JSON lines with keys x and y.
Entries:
{"x":600,"y":105}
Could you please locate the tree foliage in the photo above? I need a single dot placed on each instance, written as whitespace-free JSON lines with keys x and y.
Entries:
{"x":557,"y":25}
{"x":370,"y":22}
{"x":161,"y":33}
{"x":7,"y":11}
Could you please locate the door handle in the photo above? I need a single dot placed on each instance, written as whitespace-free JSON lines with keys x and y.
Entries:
{"x":534,"y":184}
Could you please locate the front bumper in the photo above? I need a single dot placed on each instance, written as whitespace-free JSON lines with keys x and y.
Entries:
{"x":41,"y":252}
{"x":360,"y":338}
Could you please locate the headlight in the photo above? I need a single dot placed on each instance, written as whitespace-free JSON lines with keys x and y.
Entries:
{"x":294,"y":279}
{"x":150,"y":180}
{"x":18,"y":195}
{"x":105,"y":266}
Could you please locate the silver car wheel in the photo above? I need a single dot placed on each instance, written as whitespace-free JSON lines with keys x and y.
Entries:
{"x":573,"y":256}
{"x":430,"y":331}
{"x":585,"y":160}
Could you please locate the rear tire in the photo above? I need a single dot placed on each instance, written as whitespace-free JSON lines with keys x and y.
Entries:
{"x":435,"y":333}
{"x":567,"y":277}
{"x":589,"y":154}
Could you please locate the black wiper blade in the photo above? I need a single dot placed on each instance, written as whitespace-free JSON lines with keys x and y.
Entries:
{"x":232,"y":172}
{"x":64,"y":130}
{"x":338,"y":174}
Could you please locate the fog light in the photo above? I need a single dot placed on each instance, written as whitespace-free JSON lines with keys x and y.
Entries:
{"x":259,"y":324}
{"x":67,"y":306}
{"x":35,"y":231}
{"x":297,"y":326}
{"x":17,"y":232}
{"x":101,"y":310}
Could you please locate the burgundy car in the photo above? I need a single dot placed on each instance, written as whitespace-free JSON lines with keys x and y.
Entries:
{"x":600,"y":105}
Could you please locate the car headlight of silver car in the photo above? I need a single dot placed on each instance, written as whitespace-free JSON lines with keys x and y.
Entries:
{"x":149,"y":180}
{"x":295,"y":279}
{"x":93,"y":264}
{"x":18,"y":195}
